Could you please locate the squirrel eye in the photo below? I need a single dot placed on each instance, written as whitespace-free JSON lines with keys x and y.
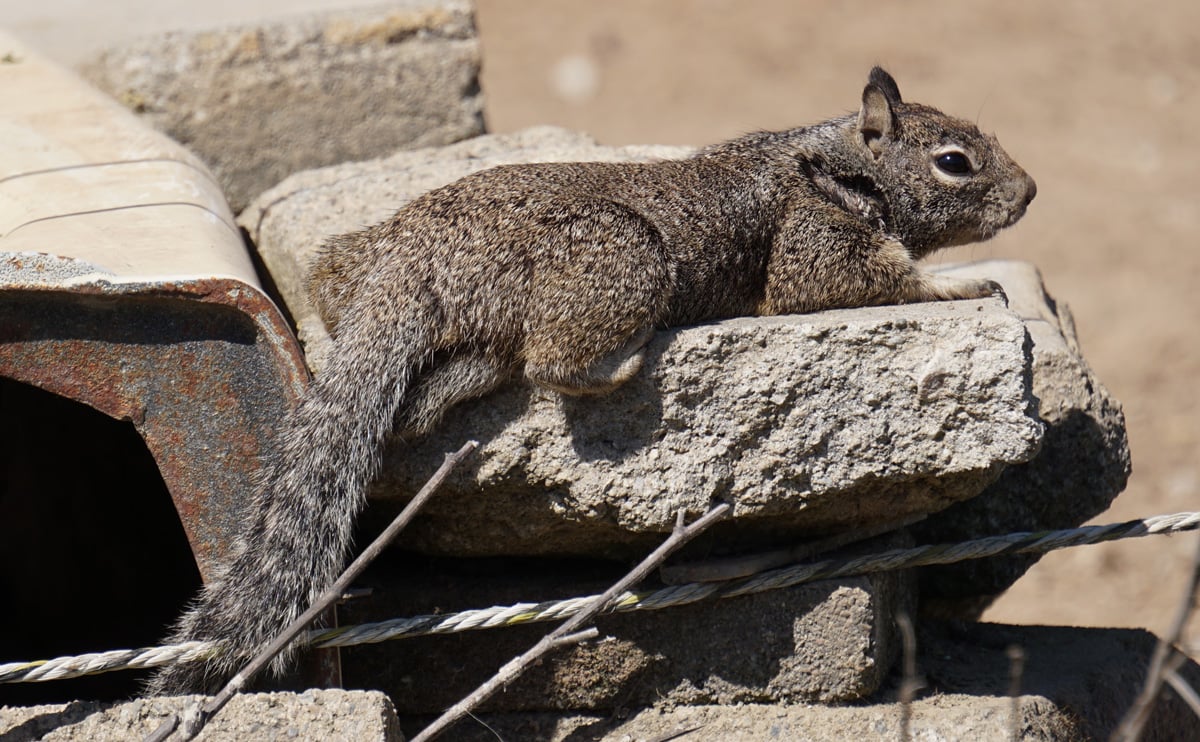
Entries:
{"x":954,"y":163}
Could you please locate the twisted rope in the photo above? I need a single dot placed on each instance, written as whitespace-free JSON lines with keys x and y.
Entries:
{"x":62,"y":668}
{"x":675,"y":595}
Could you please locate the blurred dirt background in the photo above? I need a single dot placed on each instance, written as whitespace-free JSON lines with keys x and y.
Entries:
{"x":1098,"y":101}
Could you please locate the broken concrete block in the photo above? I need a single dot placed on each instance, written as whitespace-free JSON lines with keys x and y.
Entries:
{"x":822,"y":423}
{"x":260,"y":102}
{"x":816,"y":423}
{"x":1076,"y":686}
{"x":1084,"y":462}
{"x":830,"y":641}
{"x":326,"y":715}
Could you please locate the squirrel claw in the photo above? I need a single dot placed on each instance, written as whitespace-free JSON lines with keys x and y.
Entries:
{"x":994,"y":290}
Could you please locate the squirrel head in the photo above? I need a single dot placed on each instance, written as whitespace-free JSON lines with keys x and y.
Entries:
{"x":941,"y":181}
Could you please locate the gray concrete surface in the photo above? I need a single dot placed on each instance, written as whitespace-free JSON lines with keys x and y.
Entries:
{"x":72,"y":30}
{"x":831,"y":641}
{"x":1076,"y":686}
{"x":258,"y":102}
{"x":318,"y":715}
{"x":1083,"y":465}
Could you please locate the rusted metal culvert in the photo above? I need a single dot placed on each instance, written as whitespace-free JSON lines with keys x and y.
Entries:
{"x":125,"y":285}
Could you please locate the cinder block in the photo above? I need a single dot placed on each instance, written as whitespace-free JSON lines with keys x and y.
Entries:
{"x":260,"y":102}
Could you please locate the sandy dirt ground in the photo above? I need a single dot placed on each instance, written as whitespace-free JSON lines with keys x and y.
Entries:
{"x":1097,"y":100}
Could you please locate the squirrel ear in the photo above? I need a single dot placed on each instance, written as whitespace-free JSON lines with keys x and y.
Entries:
{"x":877,"y":119}
{"x":880,"y":78}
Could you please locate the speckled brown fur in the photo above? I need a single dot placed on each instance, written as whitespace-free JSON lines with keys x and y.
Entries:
{"x":561,"y":273}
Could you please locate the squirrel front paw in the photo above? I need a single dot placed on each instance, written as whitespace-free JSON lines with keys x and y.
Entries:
{"x":993,"y":289}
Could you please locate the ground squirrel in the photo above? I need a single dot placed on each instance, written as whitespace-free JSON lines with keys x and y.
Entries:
{"x":561,"y":273}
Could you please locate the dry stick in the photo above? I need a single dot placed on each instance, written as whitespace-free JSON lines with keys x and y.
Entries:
{"x":518,"y":665}
{"x":668,"y":736}
{"x":910,"y":683}
{"x":1016,"y":670}
{"x":195,"y":718}
{"x":1130,"y":728}
{"x":1185,"y":691}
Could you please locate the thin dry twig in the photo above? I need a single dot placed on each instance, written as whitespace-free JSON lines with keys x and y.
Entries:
{"x":196,"y":717}
{"x":1130,"y":728}
{"x":513,"y":668}
{"x":910,"y":683}
{"x":1181,"y":686}
{"x":678,"y":734}
{"x":1016,"y":671}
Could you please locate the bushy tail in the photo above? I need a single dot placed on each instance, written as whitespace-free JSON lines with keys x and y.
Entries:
{"x":306,"y":504}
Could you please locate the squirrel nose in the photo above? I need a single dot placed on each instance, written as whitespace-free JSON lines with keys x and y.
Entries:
{"x":1030,"y":189}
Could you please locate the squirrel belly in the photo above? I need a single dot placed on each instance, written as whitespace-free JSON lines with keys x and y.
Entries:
{"x":559,"y":273}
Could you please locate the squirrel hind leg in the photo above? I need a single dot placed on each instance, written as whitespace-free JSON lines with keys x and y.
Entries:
{"x":455,"y":379}
{"x":565,"y":369}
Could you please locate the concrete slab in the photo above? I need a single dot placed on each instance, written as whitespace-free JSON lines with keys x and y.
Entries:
{"x":318,"y":715}
{"x":1076,"y":686}
{"x":830,"y":641}
{"x":258,"y":102}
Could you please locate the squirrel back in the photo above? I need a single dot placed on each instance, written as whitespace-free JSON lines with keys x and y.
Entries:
{"x":560,"y":273}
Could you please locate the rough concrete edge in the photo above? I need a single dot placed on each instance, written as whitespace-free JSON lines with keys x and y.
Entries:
{"x":185,"y":53}
{"x":1077,"y":410}
{"x":337,"y":715}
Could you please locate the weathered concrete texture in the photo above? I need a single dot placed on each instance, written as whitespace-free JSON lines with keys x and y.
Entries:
{"x":1084,"y":462}
{"x":831,"y":641}
{"x":944,"y":718}
{"x":808,"y":424}
{"x":317,"y":715}
{"x":805,"y":424}
{"x":260,"y":102}
{"x":1076,"y":686}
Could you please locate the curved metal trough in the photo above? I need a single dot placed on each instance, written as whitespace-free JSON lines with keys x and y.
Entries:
{"x":125,"y":285}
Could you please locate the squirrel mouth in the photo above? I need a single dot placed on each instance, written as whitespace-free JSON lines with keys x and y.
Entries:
{"x":1015,"y":214}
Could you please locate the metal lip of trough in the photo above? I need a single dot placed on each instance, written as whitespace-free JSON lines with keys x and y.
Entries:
{"x":125,"y":285}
